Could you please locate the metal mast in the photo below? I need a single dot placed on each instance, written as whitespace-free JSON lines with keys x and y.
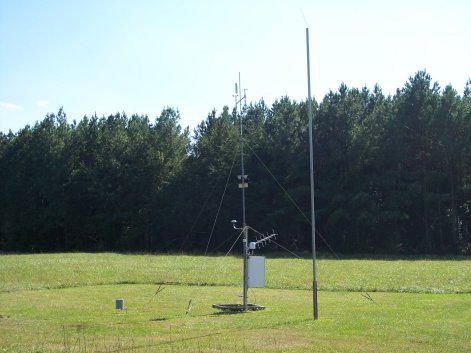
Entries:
{"x":243,"y":185}
{"x":311,"y":165}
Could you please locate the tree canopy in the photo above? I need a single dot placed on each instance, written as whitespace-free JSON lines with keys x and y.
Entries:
{"x":392,"y":175}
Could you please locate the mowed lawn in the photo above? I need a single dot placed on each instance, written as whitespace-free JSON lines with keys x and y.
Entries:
{"x":66,"y":303}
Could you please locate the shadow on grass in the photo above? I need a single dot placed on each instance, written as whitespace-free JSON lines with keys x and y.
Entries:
{"x":159,"y":319}
{"x":227,"y":313}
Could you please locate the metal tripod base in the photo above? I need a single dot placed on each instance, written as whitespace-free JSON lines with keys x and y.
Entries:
{"x":238,"y":307}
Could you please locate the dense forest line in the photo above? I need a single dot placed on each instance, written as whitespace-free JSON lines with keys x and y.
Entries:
{"x":392,"y":175}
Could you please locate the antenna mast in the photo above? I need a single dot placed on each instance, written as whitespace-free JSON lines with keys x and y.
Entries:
{"x":311,"y":165}
{"x":254,"y":266}
{"x":243,"y":185}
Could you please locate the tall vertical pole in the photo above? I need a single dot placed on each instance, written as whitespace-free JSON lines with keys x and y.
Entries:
{"x":311,"y":165}
{"x":244,"y":225}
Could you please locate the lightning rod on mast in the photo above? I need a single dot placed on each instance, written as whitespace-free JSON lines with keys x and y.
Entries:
{"x":311,"y":168}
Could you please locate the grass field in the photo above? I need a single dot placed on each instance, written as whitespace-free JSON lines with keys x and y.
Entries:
{"x":66,"y":303}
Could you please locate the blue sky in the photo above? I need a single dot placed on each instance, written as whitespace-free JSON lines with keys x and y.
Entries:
{"x":108,"y":56}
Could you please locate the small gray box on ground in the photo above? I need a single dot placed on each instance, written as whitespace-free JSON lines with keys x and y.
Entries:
{"x":120,"y":304}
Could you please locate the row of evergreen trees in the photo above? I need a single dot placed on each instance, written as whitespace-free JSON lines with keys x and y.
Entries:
{"x":392,"y":175}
